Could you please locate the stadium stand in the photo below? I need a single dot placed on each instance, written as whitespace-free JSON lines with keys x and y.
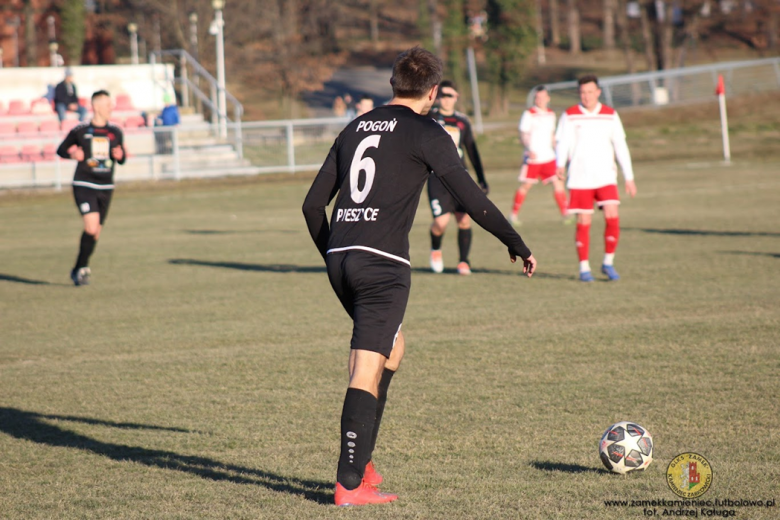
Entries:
{"x":31,"y":153}
{"x":9,"y":154}
{"x":17,"y":108}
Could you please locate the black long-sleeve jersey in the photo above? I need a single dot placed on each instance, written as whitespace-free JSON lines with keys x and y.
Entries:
{"x":459,"y":128}
{"x":96,"y":171}
{"x":378,"y":165}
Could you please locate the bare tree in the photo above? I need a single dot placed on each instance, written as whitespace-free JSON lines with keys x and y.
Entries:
{"x":647,"y":34}
{"x":575,"y":43}
{"x":555,"y":23}
{"x":373,"y":21}
{"x":609,"y":23}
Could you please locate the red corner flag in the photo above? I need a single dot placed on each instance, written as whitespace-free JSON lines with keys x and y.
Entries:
{"x":721,"y":88}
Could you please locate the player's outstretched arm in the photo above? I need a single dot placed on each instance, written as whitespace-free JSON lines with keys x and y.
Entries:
{"x":488,"y":216}
{"x":322,"y":191}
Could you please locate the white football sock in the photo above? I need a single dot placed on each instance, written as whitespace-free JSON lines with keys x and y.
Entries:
{"x":609,"y":258}
{"x":585,"y":266}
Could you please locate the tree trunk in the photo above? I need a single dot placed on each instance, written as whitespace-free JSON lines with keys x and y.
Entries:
{"x":373,"y":21}
{"x":647,"y":36}
{"x":575,"y":45}
{"x":555,"y":24}
{"x":771,"y":28}
{"x":609,"y":24}
{"x":30,"y":41}
{"x":625,"y":42}
{"x":667,"y":37}
{"x":433,"y":10}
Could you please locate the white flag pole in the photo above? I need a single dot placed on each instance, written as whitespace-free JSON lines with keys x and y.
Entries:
{"x":724,"y":125}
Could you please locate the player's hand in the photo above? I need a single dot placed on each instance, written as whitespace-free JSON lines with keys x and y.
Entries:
{"x":529,"y":264}
{"x":484,"y":187}
{"x":631,"y":188}
{"x":77,"y":153}
{"x":561,"y":172}
{"x":117,"y":153}
{"x":532,"y":156}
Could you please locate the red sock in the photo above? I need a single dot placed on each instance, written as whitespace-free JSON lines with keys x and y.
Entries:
{"x":611,"y":235}
{"x":560,"y":199}
{"x":583,"y":241}
{"x":519,"y":198}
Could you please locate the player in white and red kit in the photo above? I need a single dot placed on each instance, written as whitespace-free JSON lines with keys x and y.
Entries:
{"x":589,"y":138}
{"x":537,"y":134}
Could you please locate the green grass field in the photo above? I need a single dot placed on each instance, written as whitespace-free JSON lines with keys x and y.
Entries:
{"x":202,"y":374}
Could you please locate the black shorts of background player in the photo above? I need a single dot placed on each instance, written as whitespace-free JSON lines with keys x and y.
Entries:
{"x":377,"y":169}
{"x":442,"y":203}
{"x":97,"y":146}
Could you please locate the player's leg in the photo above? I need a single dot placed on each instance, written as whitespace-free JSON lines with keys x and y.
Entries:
{"x":559,"y":194}
{"x":438,"y":227}
{"x":608,"y":198}
{"x":379,"y":290}
{"x":89,"y":207}
{"x":520,"y":194}
{"x":464,"y":242}
{"x":442,"y":204}
{"x":581,"y":204}
{"x":611,"y":236}
{"x":527,"y":180}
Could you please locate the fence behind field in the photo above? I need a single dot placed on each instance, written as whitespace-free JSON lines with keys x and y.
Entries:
{"x":675,"y":86}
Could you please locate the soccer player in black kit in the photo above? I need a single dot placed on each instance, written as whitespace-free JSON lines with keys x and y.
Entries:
{"x":376,"y":169}
{"x":97,"y":146}
{"x":443,"y":204}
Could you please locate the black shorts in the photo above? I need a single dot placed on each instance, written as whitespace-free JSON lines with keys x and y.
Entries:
{"x":89,"y":200}
{"x":441,"y":200}
{"x":374,"y":292}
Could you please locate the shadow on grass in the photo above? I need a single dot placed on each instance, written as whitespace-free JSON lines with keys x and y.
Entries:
{"x":751,"y":253}
{"x":265,"y":268}
{"x":704,"y":233}
{"x":235,"y":232}
{"x":565,"y":468}
{"x":501,"y":272}
{"x":31,"y":426}
{"x":19,"y":279}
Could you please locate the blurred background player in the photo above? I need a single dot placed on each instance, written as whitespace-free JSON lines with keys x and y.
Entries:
{"x":590,"y":137}
{"x":366,"y":246}
{"x":442,"y":202}
{"x":364,"y":105}
{"x":537,"y":134}
{"x":66,"y":99}
{"x":97,"y":146}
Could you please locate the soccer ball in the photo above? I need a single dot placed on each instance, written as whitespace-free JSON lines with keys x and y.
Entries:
{"x":626,"y":446}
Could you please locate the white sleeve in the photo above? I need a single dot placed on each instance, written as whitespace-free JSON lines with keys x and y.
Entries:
{"x":525,"y":122}
{"x":562,"y":142}
{"x":622,"y":154}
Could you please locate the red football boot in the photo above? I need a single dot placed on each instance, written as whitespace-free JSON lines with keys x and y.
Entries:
{"x":361,"y":495}
{"x":371,"y":476}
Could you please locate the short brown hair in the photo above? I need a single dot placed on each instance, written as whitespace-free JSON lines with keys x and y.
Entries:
{"x":415,"y":72}
{"x":588,"y":78}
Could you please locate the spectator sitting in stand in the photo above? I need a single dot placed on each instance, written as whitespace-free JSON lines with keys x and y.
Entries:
{"x":66,"y":99}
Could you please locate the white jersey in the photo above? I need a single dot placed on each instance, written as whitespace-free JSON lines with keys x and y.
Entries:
{"x":540,"y":126}
{"x":590,"y":142}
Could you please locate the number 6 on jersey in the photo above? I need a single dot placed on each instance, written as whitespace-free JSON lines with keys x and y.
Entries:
{"x":363,"y":163}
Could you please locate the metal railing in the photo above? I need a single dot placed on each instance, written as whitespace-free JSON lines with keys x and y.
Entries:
{"x":190,"y":74}
{"x":675,"y":86}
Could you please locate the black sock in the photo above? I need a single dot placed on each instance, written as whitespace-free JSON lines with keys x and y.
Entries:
{"x":464,"y":244}
{"x":436,"y":241}
{"x":85,"y":251}
{"x":384,"y":383}
{"x":357,"y":425}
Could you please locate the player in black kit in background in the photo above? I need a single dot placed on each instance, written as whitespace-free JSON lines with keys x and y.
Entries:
{"x":97,"y":146}
{"x":378,"y":166}
{"x":443,"y":204}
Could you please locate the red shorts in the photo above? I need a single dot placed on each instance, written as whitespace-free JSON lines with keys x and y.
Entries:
{"x":533,"y":173}
{"x":581,"y":201}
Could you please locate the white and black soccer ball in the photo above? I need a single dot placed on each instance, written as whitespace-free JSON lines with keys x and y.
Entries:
{"x":626,"y":446}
